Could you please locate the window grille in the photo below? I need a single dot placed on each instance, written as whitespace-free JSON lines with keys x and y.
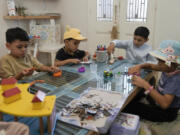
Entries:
{"x":104,"y":10}
{"x":137,"y":10}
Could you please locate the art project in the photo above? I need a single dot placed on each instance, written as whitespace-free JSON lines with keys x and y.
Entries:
{"x":95,"y":110}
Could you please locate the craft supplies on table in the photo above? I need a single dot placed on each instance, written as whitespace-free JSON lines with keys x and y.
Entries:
{"x":125,"y":124}
{"x":95,"y":110}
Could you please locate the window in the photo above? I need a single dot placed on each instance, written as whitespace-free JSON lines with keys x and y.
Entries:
{"x":137,"y":10}
{"x":104,"y":10}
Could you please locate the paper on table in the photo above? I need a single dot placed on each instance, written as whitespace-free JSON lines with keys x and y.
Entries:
{"x":112,"y":101}
{"x":85,"y":62}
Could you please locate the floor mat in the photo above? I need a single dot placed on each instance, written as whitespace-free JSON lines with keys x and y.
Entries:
{"x":163,"y":128}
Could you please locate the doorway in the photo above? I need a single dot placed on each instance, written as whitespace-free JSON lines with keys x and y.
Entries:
{"x":99,"y":32}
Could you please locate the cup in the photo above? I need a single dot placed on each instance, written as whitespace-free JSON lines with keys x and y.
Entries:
{"x":119,"y":82}
{"x":101,"y":56}
{"x":93,"y":68}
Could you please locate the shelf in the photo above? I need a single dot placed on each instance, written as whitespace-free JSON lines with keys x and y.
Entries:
{"x":31,"y":17}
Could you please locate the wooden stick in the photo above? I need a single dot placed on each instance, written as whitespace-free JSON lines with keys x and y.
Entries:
{"x":49,"y":125}
{"x":1,"y":116}
{"x":15,"y":118}
{"x":41,"y":126}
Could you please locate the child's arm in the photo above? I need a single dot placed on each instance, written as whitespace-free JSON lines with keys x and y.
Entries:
{"x":124,"y":44}
{"x":163,"y":100}
{"x":49,"y":69}
{"x":25,"y":72}
{"x":137,"y":68}
{"x":161,"y":66}
{"x":85,"y":58}
{"x":64,"y":62}
{"x":110,"y":48}
{"x":29,"y":71}
{"x":40,"y":67}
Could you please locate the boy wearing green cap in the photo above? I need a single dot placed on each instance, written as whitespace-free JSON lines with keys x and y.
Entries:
{"x":70,"y":52}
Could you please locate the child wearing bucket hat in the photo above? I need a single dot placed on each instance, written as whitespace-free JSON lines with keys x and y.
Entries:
{"x":166,"y":96}
{"x":70,"y":52}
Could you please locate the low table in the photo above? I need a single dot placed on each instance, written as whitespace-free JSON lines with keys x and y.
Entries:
{"x":23,"y":107}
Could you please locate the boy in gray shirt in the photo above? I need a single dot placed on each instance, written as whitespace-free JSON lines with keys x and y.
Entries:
{"x":136,"y":50}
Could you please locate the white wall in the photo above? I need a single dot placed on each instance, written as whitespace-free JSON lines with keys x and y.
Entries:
{"x":75,"y":14}
{"x":3,"y":26}
{"x":33,"y":6}
{"x":167,"y":21}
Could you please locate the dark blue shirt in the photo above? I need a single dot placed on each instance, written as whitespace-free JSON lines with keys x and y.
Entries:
{"x":170,"y":85}
{"x":63,"y":55}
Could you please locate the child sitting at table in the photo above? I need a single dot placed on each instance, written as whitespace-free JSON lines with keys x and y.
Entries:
{"x":166,"y":95}
{"x":18,"y":63}
{"x":70,"y":52}
{"x":136,"y":50}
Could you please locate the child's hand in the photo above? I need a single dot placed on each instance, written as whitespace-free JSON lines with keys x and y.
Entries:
{"x":110,"y":48}
{"x":85,"y":58}
{"x":134,"y":70}
{"x":27,"y":72}
{"x":138,"y":81}
{"x":75,"y":61}
{"x":53,"y":69}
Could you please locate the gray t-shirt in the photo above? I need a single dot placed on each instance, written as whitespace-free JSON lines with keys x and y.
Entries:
{"x":136,"y":54}
{"x":170,"y":85}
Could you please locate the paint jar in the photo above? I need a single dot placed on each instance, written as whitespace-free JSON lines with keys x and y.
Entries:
{"x":101,"y":56}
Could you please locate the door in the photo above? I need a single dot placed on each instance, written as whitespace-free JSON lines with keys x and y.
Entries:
{"x":99,"y":32}
{"x":126,"y":27}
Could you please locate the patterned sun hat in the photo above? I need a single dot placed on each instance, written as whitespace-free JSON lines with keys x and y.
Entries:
{"x":169,"y":51}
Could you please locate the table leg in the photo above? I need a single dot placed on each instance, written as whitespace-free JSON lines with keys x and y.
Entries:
{"x":1,"y":116}
{"x":41,"y":126}
{"x":49,"y":125}
{"x":15,"y":118}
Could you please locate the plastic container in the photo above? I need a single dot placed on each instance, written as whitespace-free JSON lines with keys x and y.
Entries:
{"x":101,"y":56}
{"x":93,"y":67}
{"x":119,"y":82}
{"x":125,"y":124}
